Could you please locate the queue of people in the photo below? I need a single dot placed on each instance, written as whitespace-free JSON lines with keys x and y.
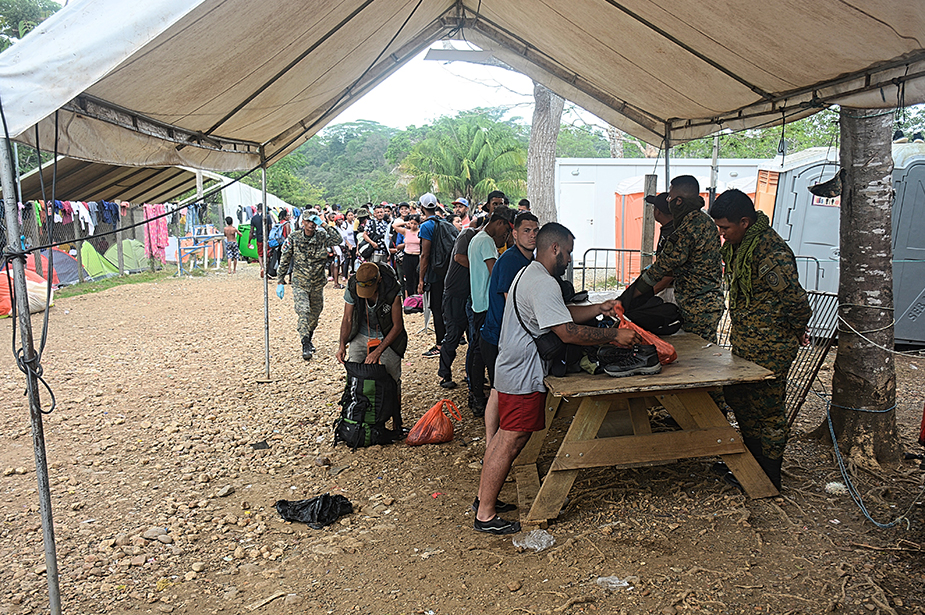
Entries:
{"x":469,"y":266}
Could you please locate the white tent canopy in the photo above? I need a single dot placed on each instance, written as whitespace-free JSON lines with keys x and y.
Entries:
{"x":213,"y":83}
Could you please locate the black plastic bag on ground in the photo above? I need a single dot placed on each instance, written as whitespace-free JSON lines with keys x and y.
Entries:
{"x":370,"y":399}
{"x":316,"y":512}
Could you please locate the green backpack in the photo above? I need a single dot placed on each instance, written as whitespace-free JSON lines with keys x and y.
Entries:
{"x":370,"y":399}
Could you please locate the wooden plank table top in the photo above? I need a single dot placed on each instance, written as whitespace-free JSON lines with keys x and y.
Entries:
{"x":699,"y":365}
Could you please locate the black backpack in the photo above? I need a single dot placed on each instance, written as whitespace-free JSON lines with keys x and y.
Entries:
{"x":656,"y":316}
{"x":441,"y":248}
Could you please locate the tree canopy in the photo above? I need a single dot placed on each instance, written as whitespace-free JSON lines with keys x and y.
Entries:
{"x":19,"y":17}
{"x":468,"y":155}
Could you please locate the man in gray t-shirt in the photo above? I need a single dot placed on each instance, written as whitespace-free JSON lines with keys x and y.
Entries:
{"x":519,"y":370}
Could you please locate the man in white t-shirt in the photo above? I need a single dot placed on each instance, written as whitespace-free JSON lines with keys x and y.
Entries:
{"x":519,"y":370}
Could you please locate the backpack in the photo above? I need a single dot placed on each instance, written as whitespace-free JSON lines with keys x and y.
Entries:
{"x":370,"y":399}
{"x":413,"y":305}
{"x":276,"y":235}
{"x":441,"y":249}
{"x":656,"y":316}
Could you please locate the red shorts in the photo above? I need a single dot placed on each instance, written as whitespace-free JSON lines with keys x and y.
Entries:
{"x":522,"y":412}
{"x":259,"y":248}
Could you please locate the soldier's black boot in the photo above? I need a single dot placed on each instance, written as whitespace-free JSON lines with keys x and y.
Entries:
{"x":771,"y":467}
{"x":307,"y":351}
{"x":311,"y":344}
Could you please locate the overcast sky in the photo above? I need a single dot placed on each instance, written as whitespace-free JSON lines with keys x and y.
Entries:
{"x":422,"y":91}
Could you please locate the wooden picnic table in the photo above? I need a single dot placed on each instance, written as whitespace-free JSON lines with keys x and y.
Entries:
{"x":610,"y":426}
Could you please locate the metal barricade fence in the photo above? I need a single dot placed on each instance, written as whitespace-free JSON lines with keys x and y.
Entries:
{"x":608,"y":268}
{"x":612,"y":269}
{"x":823,"y":328}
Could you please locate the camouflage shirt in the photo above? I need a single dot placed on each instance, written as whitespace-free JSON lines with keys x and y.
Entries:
{"x":767,"y":330}
{"x":691,"y":254}
{"x":309,"y":255}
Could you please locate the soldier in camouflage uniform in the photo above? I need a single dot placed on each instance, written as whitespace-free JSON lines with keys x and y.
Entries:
{"x":691,"y":255}
{"x":307,"y":248}
{"x":769,"y":312}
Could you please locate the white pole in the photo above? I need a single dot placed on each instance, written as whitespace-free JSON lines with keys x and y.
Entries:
{"x":266,"y":278}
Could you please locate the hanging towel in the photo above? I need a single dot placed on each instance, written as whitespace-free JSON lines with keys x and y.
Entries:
{"x":155,"y":233}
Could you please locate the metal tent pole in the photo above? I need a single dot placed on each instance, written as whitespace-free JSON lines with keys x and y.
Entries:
{"x":667,"y":156}
{"x":28,"y":357}
{"x":266,"y":278}
{"x":714,"y":170}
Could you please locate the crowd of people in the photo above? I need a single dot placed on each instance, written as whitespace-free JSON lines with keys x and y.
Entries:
{"x":491,"y":275}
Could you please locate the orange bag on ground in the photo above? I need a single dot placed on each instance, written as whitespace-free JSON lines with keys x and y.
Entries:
{"x":666,"y":352}
{"x":434,"y":427}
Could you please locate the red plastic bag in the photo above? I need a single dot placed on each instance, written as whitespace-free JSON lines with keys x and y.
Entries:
{"x":434,"y":427}
{"x":666,"y":352}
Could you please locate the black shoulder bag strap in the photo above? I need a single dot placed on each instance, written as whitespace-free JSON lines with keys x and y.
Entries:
{"x":549,"y":345}
{"x":516,"y":310}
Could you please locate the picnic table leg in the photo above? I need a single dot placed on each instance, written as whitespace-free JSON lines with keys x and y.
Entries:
{"x":557,"y":483}
{"x":697,"y":410}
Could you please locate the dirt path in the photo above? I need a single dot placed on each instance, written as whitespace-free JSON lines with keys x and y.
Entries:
{"x":157,"y":409}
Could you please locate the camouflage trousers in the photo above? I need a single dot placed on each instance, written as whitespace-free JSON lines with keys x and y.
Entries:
{"x":308,"y":305}
{"x":705,"y":324}
{"x":759,"y":409}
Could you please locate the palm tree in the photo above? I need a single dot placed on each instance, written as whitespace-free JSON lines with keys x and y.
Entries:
{"x":468,"y":155}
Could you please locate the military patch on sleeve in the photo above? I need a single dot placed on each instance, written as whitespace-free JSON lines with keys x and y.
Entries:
{"x":764,"y":267}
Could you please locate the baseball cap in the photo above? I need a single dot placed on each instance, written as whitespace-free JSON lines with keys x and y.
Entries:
{"x":367,"y":280}
{"x":504,"y":213}
{"x":660,"y":201}
{"x":428,"y":201}
{"x":462,"y":201}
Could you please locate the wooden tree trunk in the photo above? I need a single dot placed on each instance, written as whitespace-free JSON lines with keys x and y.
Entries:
{"x":864,"y":374}
{"x":615,"y":137}
{"x":541,"y":153}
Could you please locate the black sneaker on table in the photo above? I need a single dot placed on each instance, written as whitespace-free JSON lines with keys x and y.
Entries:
{"x":641,"y":360}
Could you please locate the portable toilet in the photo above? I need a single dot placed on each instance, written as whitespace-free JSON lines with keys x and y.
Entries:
{"x":810,"y":225}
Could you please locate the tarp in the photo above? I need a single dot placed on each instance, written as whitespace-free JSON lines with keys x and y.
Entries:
{"x":211,"y":83}
{"x":36,"y":288}
{"x":66,"y":268}
{"x":96,"y":264}
{"x":133,"y":255}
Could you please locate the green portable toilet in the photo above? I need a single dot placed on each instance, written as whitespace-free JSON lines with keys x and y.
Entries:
{"x":247,"y":249}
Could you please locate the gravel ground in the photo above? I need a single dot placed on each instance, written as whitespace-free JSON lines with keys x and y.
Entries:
{"x":162,"y":505}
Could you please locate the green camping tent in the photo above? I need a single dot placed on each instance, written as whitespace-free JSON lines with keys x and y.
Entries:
{"x":96,"y":265}
{"x":133,"y":255}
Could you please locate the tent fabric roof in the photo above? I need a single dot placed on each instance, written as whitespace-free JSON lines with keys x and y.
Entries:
{"x":215,"y":84}
{"x":78,"y":180}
